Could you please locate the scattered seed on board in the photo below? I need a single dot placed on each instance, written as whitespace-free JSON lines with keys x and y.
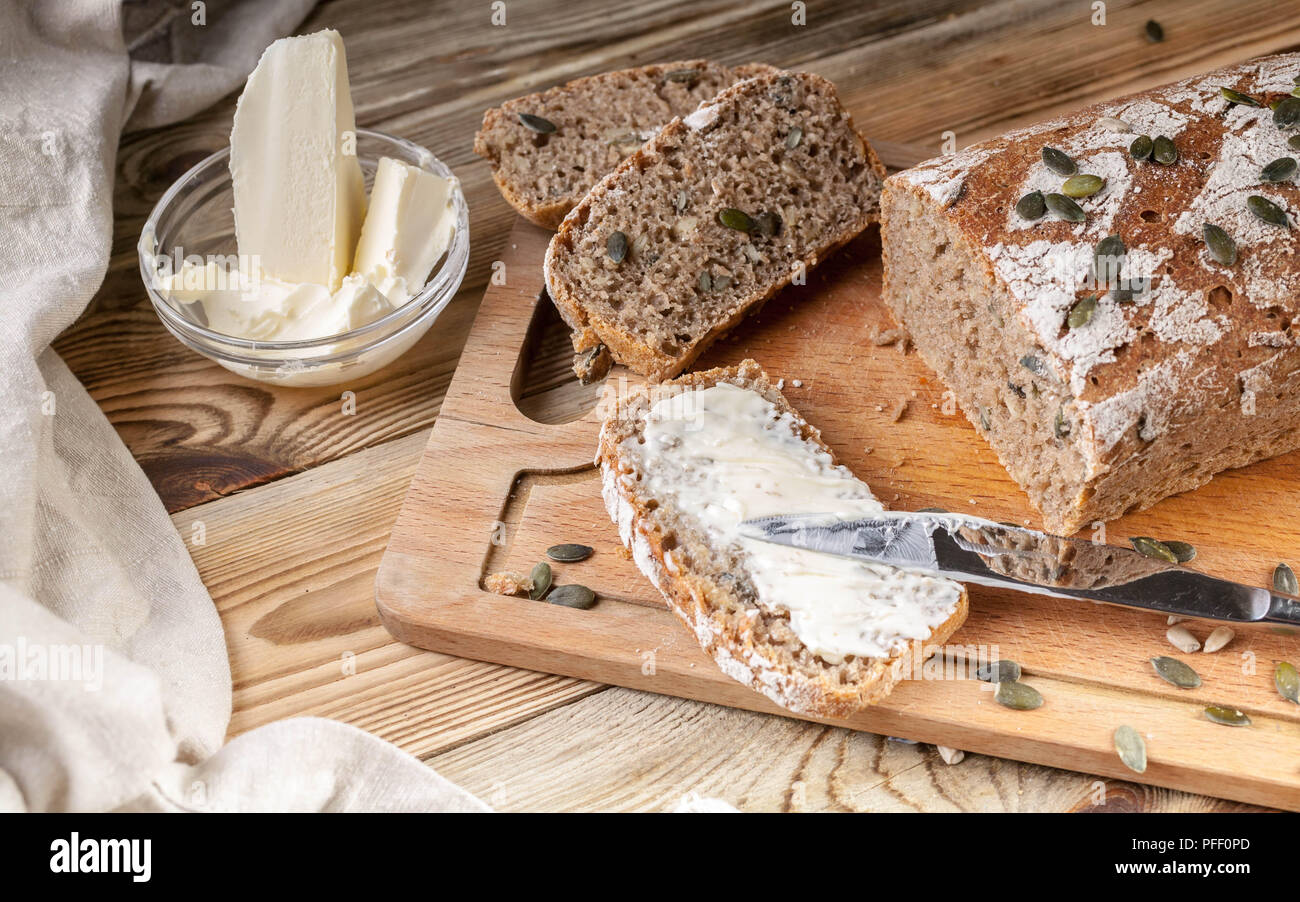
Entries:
{"x":1059,"y":161}
{"x":1284,"y":580}
{"x":1181,"y":638}
{"x":1141,"y":147}
{"x":1175,"y":618}
{"x":536,"y":123}
{"x":1003,"y":671}
{"x":1031,"y":206}
{"x":1063,"y":207}
{"x":1154,"y":31}
{"x":1017,"y":695}
{"x":572,"y":596}
{"x":1287,"y":681}
{"x":1183,"y":551}
{"x":950,"y":756}
{"x":569,"y":552}
{"x":1131,"y":748}
{"x":1229,"y":717}
{"x":1174,"y":671}
{"x":616,"y":246}
{"x":1153,"y":548}
{"x":1220,"y":244}
{"x":1218,"y":639}
{"x":541,"y":577}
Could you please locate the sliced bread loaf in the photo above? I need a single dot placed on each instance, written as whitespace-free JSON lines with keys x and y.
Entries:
{"x":548,"y":149}
{"x":709,"y":219}
{"x":683,"y":463}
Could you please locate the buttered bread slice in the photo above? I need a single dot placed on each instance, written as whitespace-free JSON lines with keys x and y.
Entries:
{"x":683,"y":464}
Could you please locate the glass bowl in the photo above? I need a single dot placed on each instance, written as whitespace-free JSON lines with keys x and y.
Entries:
{"x":195,"y":218}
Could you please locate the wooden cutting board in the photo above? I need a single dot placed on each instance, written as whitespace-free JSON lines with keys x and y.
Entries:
{"x":495,"y":488}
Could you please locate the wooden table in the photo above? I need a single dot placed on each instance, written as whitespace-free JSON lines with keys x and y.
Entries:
{"x":286,"y":497}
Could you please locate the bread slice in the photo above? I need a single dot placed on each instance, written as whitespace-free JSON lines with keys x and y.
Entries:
{"x":599,"y":122}
{"x":677,"y":502}
{"x":778,"y":152}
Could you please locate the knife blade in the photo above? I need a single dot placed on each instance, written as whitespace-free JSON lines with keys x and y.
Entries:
{"x":974,"y":550}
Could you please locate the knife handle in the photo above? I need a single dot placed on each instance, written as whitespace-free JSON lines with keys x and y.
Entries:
{"x":1283,"y":609}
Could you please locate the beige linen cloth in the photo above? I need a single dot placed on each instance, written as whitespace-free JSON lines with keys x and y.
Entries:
{"x":91,"y":567}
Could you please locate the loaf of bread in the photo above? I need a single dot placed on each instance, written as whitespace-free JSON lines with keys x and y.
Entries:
{"x":1110,"y":295}
{"x":709,"y":219}
{"x":548,"y":149}
{"x":683,"y":463}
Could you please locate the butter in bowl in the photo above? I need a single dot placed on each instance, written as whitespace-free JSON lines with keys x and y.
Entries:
{"x":269,"y":258}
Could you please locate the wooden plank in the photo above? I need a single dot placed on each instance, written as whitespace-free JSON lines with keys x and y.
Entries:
{"x":521,"y":485}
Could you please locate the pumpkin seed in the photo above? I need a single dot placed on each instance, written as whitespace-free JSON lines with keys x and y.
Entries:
{"x":1287,"y":113}
{"x":1279,"y":170}
{"x":767,"y":224}
{"x":1081,"y":312}
{"x":541,"y":577}
{"x":1003,"y":671}
{"x":1141,"y":147}
{"x":1284,"y":580}
{"x":572,"y":596}
{"x":681,"y":202}
{"x":569,"y":553}
{"x":1062,"y":426}
{"x":1114,"y":124}
{"x":1082,"y":185}
{"x":1174,"y":671}
{"x":1019,"y":696}
{"x":682,"y":75}
{"x":736,"y":219}
{"x":1229,"y":717}
{"x":536,"y":123}
{"x":721,"y":282}
{"x":793,"y":138}
{"x":616,"y":246}
{"x":1163,"y":151}
{"x":704,"y":282}
{"x":1221,"y":246}
{"x":1034,"y":365}
{"x":1153,"y":548}
{"x":1121,"y":295}
{"x":985,"y":424}
{"x":1287,"y":681}
{"x":1059,"y":161}
{"x":1265,"y":209}
{"x":1108,"y":257}
{"x":1064,"y":208}
{"x":1218,"y":639}
{"x":1131,"y":749}
{"x":932,"y":510}
{"x":1237,"y":97}
{"x":1182,"y":550}
{"x":1031,"y":206}
{"x":1154,"y":31}
{"x":1293,"y":142}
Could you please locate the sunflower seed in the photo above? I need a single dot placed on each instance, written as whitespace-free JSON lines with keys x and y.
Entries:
{"x":681,"y":202}
{"x":536,"y":123}
{"x":751,"y":253}
{"x":1284,"y":580}
{"x":1175,"y":618}
{"x":1218,"y":639}
{"x":1132,"y":750}
{"x":541,"y":577}
{"x":1153,"y":548}
{"x":1265,"y":209}
{"x":1031,"y":206}
{"x":1113,"y":124}
{"x":1003,"y":671}
{"x":1141,"y":147}
{"x":1237,"y":97}
{"x":950,"y":756}
{"x":682,"y":75}
{"x":1163,"y":151}
{"x":1287,"y":113}
{"x":985,"y":424}
{"x":1155,"y":33}
{"x":569,"y":553}
{"x":616,"y":246}
{"x":1059,"y":161}
{"x":1279,"y":170}
{"x":1222,"y":248}
{"x":1181,"y":638}
{"x":1081,"y":312}
{"x":736,"y":219}
{"x":1064,"y":208}
{"x":1183,"y":551}
{"x":1174,"y":671}
{"x":572,"y":596}
{"x":1229,"y":717}
{"x":767,"y":224}
{"x":1082,"y":185}
{"x":1019,"y":696}
{"x":1062,"y":426}
{"x":793,"y":138}
{"x":1287,"y":681}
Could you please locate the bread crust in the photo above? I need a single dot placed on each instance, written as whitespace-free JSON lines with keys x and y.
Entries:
{"x":692,"y":596}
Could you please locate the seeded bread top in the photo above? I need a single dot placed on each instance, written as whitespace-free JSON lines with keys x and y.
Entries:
{"x":1194,"y":325}
{"x":548,"y":149}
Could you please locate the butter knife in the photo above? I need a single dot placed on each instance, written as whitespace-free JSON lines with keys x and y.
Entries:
{"x":974,"y":550}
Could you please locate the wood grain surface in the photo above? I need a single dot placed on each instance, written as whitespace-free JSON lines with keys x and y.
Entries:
{"x":909,"y":71}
